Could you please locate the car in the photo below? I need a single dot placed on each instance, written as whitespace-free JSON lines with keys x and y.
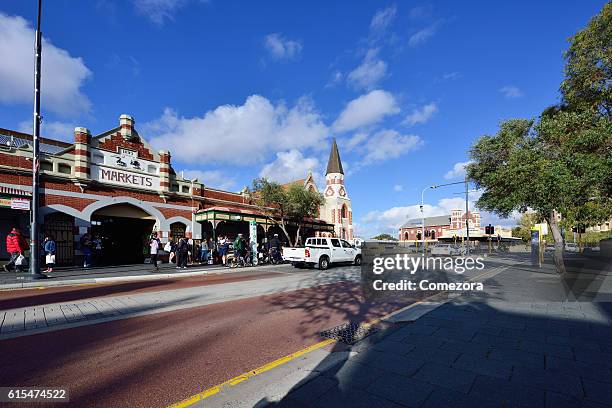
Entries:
{"x":571,"y":247}
{"x":323,"y":252}
{"x":446,"y":249}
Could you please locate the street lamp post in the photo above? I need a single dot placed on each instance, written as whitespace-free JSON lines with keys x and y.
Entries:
{"x":423,"y":216}
{"x":34,"y":232}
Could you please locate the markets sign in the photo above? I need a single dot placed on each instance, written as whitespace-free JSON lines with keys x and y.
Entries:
{"x":124,"y":178}
{"x":15,"y":203}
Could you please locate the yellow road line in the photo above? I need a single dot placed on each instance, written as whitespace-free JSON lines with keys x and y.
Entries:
{"x":249,"y":374}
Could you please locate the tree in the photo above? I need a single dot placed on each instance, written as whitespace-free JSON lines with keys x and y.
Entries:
{"x":561,"y":162}
{"x":523,"y":230}
{"x":385,"y":237}
{"x":588,"y":66}
{"x":280,"y":204}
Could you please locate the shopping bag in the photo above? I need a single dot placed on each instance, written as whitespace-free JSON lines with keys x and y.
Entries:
{"x":167,"y":247}
{"x":20,"y":260}
{"x":50,"y":259}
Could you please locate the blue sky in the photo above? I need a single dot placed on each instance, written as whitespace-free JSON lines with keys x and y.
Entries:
{"x":240,"y":89}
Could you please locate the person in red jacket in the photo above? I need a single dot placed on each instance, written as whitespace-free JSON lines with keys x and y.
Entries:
{"x":15,"y":245}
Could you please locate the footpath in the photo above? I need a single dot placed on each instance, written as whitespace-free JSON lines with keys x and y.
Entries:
{"x":531,"y":339}
{"x":106,"y":274}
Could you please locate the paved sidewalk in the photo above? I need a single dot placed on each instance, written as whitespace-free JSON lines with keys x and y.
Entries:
{"x":75,"y":275}
{"x":519,"y":345}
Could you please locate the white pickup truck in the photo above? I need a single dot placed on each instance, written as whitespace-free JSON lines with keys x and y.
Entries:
{"x":323,"y":252}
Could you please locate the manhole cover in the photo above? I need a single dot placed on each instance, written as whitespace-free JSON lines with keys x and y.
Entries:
{"x":349,"y":333}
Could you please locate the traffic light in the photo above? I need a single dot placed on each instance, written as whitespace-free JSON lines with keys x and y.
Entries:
{"x":489,"y":230}
{"x":574,"y":229}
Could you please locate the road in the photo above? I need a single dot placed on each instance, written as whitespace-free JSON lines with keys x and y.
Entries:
{"x":162,"y":358}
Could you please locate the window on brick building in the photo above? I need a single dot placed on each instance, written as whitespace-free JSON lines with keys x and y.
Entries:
{"x":46,"y":165}
{"x":184,"y":189}
{"x":64,"y":168}
{"x":174,"y":187}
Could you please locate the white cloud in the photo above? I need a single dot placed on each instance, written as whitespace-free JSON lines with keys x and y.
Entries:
{"x":240,"y":135}
{"x":63,"y":75}
{"x":383,"y":18}
{"x":51,"y":130}
{"x":398,"y":187}
{"x":369,"y":73}
{"x":511,"y":92}
{"x":366,"y":110}
{"x":212,"y":178}
{"x":421,"y":115}
{"x":281,"y":48}
{"x":388,"y":144}
{"x":289,"y":166}
{"x":423,"y":35}
{"x":356,"y":140}
{"x":158,"y":11}
{"x":336,"y":78}
{"x":458,"y":171}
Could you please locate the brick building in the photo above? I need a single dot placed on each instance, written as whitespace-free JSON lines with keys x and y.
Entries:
{"x":116,"y":186}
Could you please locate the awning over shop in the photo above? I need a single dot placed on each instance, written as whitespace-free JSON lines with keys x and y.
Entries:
{"x":14,"y":191}
{"x":234,"y":214}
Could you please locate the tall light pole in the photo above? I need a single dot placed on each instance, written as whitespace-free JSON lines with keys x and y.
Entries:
{"x":34,"y":243}
{"x":423,"y":216}
{"x":422,"y":204}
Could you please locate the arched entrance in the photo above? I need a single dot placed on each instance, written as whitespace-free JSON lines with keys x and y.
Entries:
{"x":124,"y":232}
{"x":60,"y":226}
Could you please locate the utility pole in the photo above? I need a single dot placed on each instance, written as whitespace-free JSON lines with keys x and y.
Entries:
{"x":34,"y":232}
{"x":467,"y":219}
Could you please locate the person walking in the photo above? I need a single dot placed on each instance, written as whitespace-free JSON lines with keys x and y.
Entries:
{"x":171,"y":245}
{"x":182,"y":253}
{"x":154,"y":244}
{"x":87,"y":248}
{"x":239,"y":248}
{"x":204,"y":250}
{"x":49,"y":250}
{"x":16,"y":245}
{"x":223,"y":247}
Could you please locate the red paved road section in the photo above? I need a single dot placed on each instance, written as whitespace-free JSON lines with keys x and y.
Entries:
{"x":156,"y":360}
{"x":11,"y":299}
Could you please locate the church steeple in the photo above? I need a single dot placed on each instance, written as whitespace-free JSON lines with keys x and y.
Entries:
{"x":334,"y":165}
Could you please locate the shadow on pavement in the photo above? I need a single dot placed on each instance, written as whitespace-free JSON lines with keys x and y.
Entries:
{"x":522,"y":343}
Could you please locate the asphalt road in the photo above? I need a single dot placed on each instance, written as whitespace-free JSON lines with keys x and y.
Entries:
{"x":159,"y":359}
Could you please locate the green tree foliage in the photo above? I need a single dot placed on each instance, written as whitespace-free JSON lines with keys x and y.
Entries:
{"x":561,"y":162}
{"x":385,"y":237}
{"x":281,"y":204}
{"x":523,"y":230}
{"x":588,"y":66}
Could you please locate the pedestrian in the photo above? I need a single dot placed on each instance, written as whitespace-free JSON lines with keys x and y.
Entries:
{"x":16,"y":245}
{"x":204,"y":251}
{"x":49,"y":249}
{"x":172,"y":252}
{"x":223,"y":247}
{"x":96,"y":244}
{"x":182,"y":253}
{"x":87,"y":249}
{"x":154,"y":244}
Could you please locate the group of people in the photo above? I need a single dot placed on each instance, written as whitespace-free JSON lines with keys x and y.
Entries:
{"x":16,"y":245}
{"x":182,"y":251}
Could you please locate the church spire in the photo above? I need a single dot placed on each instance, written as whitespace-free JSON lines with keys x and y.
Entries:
{"x":334,"y":165}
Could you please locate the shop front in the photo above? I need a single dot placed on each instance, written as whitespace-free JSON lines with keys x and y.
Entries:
{"x":14,"y":213}
{"x":229,"y":222}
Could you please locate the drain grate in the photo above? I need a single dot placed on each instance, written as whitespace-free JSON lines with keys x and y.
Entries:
{"x":349,"y":333}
